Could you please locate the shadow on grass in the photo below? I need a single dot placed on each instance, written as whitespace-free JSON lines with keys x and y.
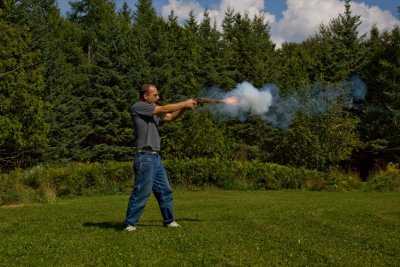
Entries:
{"x":119,"y":226}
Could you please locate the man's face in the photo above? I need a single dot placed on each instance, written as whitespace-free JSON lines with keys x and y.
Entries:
{"x":152,"y":96}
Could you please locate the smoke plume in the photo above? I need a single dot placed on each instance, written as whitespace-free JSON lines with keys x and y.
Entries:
{"x":279,"y":111}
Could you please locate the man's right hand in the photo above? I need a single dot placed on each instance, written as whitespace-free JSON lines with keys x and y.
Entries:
{"x":190,"y":103}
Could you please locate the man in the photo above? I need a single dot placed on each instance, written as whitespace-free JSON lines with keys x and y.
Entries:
{"x":150,"y":175}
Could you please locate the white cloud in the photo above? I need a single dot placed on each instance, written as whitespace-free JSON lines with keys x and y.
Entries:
{"x":303,"y":18}
{"x":181,"y":8}
{"x":252,"y":7}
{"x":374,"y":16}
{"x":300,"y":20}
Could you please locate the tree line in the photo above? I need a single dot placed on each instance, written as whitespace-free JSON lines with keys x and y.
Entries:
{"x":67,"y":84}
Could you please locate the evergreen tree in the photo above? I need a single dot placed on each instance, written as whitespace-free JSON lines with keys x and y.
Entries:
{"x":262,"y":52}
{"x":248,"y":48}
{"x":231,"y":47}
{"x":149,"y":31}
{"x":191,"y":24}
{"x":66,"y":72}
{"x":129,"y":58}
{"x":97,"y":125}
{"x":213,"y":68}
{"x":379,"y":112}
{"x":248,"y":56}
{"x":23,"y":136}
{"x":62,"y":59}
{"x":293,"y":68}
{"x":181,"y":56}
{"x":339,"y":51}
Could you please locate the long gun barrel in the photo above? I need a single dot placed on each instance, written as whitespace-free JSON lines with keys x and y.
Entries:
{"x":209,"y":100}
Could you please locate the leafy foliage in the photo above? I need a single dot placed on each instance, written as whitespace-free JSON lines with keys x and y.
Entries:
{"x":46,"y":183}
{"x":339,"y":51}
{"x":68,"y":84}
{"x":386,"y":180}
{"x":324,"y":132}
{"x":23,"y":135}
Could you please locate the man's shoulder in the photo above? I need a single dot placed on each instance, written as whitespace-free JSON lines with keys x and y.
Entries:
{"x":142,"y":104}
{"x":143,"y":108}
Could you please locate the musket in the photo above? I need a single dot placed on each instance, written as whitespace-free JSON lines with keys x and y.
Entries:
{"x":209,"y":100}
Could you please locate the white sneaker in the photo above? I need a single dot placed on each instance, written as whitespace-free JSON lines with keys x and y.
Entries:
{"x":130,"y":228}
{"x":173,"y":225}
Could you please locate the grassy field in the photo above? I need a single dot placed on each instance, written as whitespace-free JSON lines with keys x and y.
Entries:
{"x":223,"y":228}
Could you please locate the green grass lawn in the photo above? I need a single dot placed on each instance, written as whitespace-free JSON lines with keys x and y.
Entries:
{"x":249,"y":228}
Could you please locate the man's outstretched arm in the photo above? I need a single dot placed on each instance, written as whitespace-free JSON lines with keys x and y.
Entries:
{"x":174,"y":111}
{"x":174,"y":115}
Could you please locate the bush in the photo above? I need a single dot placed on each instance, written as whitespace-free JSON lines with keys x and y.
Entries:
{"x":44,"y":183}
{"x":386,"y":180}
{"x":255,"y":175}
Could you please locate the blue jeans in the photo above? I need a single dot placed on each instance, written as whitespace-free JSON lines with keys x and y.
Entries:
{"x":150,"y":176}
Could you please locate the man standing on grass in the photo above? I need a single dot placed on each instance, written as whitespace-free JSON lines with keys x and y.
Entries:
{"x":150,"y":175}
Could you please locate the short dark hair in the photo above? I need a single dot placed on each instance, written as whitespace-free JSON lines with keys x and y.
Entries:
{"x":145,"y":89}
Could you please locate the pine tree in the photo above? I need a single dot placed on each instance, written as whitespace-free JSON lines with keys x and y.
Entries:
{"x":293,"y":67}
{"x":97,"y":122}
{"x":262,"y":52}
{"x":248,"y":48}
{"x":148,"y":30}
{"x":214,"y":69}
{"x":340,"y":51}
{"x":23,"y":137}
{"x":230,"y":58}
{"x":248,"y":55}
{"x":191,"y":24}
{"x":180,"y":65}
{"x":380,"y":111}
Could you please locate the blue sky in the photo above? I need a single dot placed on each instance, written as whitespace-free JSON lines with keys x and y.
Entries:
{"x":290,"y":20}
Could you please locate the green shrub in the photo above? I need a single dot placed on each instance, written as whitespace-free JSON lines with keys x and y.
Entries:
{"x":45,"y":183}
{"x":255,"y":175}
{"x":9,"y":192}
{"x":386,"y":180}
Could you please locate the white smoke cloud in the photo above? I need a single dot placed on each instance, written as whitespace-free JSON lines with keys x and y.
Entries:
{"x":265,"y":102}
{"x":251,"y":99}
{"x":300,"y":20}
{"x":270,"y":106}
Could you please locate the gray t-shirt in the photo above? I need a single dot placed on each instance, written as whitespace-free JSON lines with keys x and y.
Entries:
{"x":145,"y":124}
